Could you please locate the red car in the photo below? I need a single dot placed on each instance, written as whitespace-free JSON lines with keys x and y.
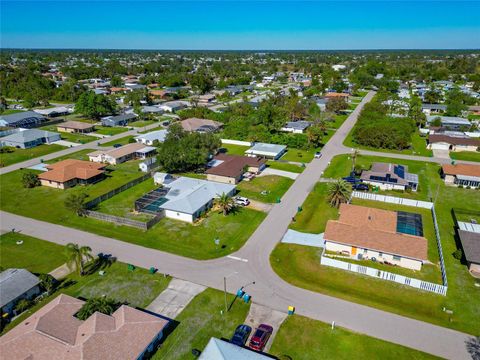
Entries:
{"x":260,"y":337}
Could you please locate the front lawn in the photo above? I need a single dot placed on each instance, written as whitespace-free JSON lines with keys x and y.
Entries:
{"x":465,"y":155}
{"x":303,"y":338}
{"x":285,"y":166}
{"x":235,"y":149}
{"x":196,"y":241}
{"x":19,"y":155}
{"x":122,"y":141}
{"x":298,"y":155}
{"x":106,"y":130}
{"x":274,"y":187}
{"x":35,"y":255}
{"x":72,"y":137}
{"x":200,"y":321}
{"x":141,"y":123}
{"x":78,"y":155}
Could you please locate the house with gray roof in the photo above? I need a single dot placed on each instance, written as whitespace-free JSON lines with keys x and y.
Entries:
{"x":25,"y":119}
{"x":182,"y":198}
{"x":269,"y":151}
{"x":296,"y":127}
{"x":17,"y":284}
{"x":217,"y":349}
{"x":151,"y":137}
{"x":118,"y":120}
{"x":29,"y":138}
{"x":469,"y":235}
{"x":450,"y":122}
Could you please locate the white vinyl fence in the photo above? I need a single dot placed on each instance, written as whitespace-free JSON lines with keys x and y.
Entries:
{"x":236,"y":142}
{"x":384,"y":275}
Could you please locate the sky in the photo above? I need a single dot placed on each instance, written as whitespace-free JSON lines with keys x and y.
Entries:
{"x":240,"y":25}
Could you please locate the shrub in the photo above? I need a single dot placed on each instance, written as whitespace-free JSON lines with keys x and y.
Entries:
{"x":30,"y":180}
{"x":458,"y":254}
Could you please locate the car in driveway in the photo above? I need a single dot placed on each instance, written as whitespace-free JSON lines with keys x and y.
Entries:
{"x":243,"y":201}
{"x":260,"y":337}
{"x":318,"y":155}
{"x":241,"y":335}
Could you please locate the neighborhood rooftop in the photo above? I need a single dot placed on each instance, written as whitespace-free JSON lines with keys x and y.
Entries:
{"x":15,"y":282}
{"x":70,"y":169}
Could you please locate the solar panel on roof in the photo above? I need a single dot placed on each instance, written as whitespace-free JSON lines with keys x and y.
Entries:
{"x":399,"y":170}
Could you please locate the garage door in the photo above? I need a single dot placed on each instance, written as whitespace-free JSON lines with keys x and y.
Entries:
{"x":440,"y":146}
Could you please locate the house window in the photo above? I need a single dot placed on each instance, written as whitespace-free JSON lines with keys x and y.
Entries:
{"x":380,"y":254}
{"x":365,"y":251}
{"x":397,"y":258}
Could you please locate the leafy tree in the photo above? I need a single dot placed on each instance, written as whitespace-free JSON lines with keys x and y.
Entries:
{"x":22,"y":305}
{"x":116,"y":81}
{"x":202,"y":82}
{"x":456,"y":102}
{"x":315,"y":135}
{"x":339,"y":192}
{"x":225,"y":203}
{"x":101,"y":304}
{"x":94,"y":105}
{"x":336,"y":104}
{"x":437,"y":122}
{"x":415,"y":111}
{"x":48,"y":282}
{"x":77,"y":255}
{"x":76,"y":203}
{"x":30,"y":180}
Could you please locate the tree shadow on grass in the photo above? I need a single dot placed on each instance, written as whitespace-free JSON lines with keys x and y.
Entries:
{"x":102,"y":262}
{"x":473,"y":347}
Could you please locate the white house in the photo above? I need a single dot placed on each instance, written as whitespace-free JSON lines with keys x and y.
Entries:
{"x":149,"y":138}
{"x":269,"y":151}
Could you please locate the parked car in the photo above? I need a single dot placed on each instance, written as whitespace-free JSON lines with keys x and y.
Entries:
{"x":241,"y":335}
{"x":361,"y":187}
{"x":243,"y":201}
{"x":318,"y":155}
{"x":260,"y":337}
{"x":117,"y":145}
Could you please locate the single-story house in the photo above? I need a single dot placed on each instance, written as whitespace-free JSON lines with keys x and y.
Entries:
{"x":229,"y":169}
{"x":70,"y":172}
{"x":322,"y":103}
{"x":269,"y":151}
{"x":122,"y":154}
{"x":17,"y":284}
{"x":469,"y":235}
{"x":379,"y":235}
{"x":151,"y":137}
{"x":200,"y":125}
{"x":296,"y":127}
{"x":206,"y":99}
{"x":461,"y":175}
{"x":76,"y":127}
{"x":390,"y":177}
{"x":452,"y":143}
{"x":433,"y":108}
{"x":150,"y":109}
{"x":29,"y":138}
{"x":54,"y":332}
{"x":450,"y":122}
{"x":118,"y":120}
{"x":330,"y":95}
{"x":54,"y":111}
{"x":25,"y":119}
{"x":135,"y":86}
{"x":185,"y":198}
{"x":173,"y":106}
{"x":217,"y":349}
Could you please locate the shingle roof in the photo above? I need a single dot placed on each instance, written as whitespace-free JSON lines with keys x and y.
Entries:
{"x":12,"y":118}
{"x":454,"y":140}
{"x":70,"y":169}
{"x":29,"y":135}
{"x":14,"y":283}
{"x":374,"y":229}
{"x":471,"y":245}
{"x":153,"y":135}
{"x":462,"y":169}
{"x":121,"y":151}
{"x":77,"y":125}
{"x":195,"y":124}
{"x":232,"y":166}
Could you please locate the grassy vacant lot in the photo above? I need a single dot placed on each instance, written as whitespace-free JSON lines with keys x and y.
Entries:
{"x":35,"y":255}
{"x":196,"y":241}
{"x":465,"y":155}
{"x":463,"y":297}
{"x":418,"y":146}
{"x":235,"y":149}
{"x":285,"y":166}
{"x":200,"y":321}
{"x":275,"y":186}
{"x":19,"y":155}
{"x":106,"y":130}
{"x":76,"y":138}
{"x":122,"y":141}
{"x":141,"y":123}
{"x":339,"y":120}
{"x":298,"y":333}
{"x":298,"y":155}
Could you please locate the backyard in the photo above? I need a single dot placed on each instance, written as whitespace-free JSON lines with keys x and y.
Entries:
{"x":465,"y":155}
{"x":268,"y":188}
{"x":19,"y":155}
{"x":72,"y":137}
{"x":285,"y":166}
{"x":235,"y":149}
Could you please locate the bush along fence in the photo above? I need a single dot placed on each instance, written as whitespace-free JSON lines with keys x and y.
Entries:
{"x":124,"y":221}
{"x":385,"y":275}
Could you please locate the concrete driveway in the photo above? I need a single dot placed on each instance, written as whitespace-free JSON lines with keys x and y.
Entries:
{"x":270,"y":171}
{"x":441,"y":154}
{"x":259,"y":314}
{"x":260,"y":206}
{"x":175,"y":298}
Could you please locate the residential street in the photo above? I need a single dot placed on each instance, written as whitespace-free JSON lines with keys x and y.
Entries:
{"x":252,"y":262}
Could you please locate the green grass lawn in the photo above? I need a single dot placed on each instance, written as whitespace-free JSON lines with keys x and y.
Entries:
{"x":196,"y":241}
{"x":285,"y":166}
{"x":200,"y":321}
{"x":141,"y":123}
{"x":193,"y":175}
{"x":11,"y":111}
{"x":79,"y":117}
{"x":72,"y":137}
{"x":339,"y":120}
{"x":19,"y":155}
{"x":235,"y":149}
{"x":298,"y":155}
{"x":301,"y":338}
{"x":276,"y":187}
{"x":304,"y":268}
{"x":465,"y":155}
{"x":35,"y":255}
{"x":106,"y":130}
{"x":122,"y":141}
{"x":79,"y":155}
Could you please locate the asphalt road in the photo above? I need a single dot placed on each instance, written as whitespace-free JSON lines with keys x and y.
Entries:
{"x":250,"y":267}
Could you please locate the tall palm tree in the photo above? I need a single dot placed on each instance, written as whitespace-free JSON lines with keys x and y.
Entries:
{"x":76,"y":256}
{"x":339,"y":192}
{"x":225,"y":203}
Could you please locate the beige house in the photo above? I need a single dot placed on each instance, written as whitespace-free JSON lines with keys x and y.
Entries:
{"x":122,"y":154}
{"x":68,"y":173}
{"x":461,"y":175}
{"x":452,"y":143}
{"x":366,"y":233}
{"x":75,"y":127}
{"x":229,"y":169}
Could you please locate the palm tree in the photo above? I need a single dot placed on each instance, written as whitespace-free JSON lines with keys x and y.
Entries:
{"x":354,"y":159}
{"x":22,"y":305}
{"x":339,"y":192}
{"x":103,"y":305}
{"x":225,"y":203}
{"x":76,"y":255}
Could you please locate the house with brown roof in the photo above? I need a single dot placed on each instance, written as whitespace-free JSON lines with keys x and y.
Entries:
{"x":68,"y":173}
{"x":75,"y":127}
{"x":229,"y":169}
{"x":122,"y":154}
{"x":55,"y":333}
{"x":385,"y":236}
{"x":200,"y":125}
{"x":452,"y":143}
{"x":461,"y":175}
